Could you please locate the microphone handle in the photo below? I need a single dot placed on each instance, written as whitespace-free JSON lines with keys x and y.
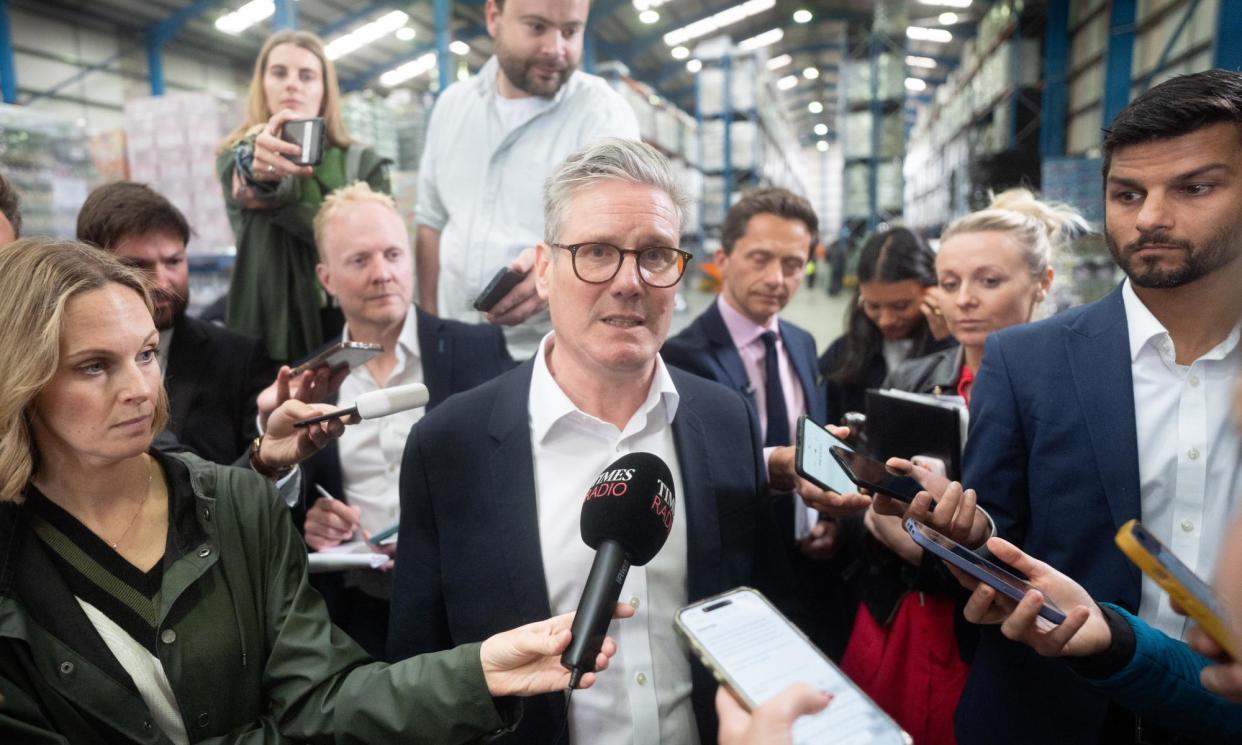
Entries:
{"x":595,"y":609}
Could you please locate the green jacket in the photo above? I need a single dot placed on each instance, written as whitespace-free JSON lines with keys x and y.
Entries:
{"x":274,"y":293}
{"x":244,"y":640}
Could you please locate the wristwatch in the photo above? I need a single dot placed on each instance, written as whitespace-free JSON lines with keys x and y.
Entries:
{"x":261,"y":468}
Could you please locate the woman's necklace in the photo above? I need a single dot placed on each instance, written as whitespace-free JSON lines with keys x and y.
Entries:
{"x":141,"y":506}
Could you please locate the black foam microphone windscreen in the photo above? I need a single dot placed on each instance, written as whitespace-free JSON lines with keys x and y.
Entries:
{"x":632,"y":503}
{"x":626,"y":517}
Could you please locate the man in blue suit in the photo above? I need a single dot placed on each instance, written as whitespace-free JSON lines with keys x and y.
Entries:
{"x":1119,"y":409}
{"x":493,"y":480}
{"x":740,"y":342}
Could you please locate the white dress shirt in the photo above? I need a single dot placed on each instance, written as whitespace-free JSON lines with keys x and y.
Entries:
{"x":480,"y":182}
{"x":644,"y":698}
{"x":371,"y":450}
{"x":1190,"y":455}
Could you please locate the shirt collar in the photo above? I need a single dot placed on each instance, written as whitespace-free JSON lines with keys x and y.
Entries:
{"x":742,"y":330}
{"x":1145,"y":328}
{"x":549,"y":404}
{"x":407,"y":340}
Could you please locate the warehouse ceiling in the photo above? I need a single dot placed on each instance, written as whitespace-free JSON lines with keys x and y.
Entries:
{"x":816,"y":45}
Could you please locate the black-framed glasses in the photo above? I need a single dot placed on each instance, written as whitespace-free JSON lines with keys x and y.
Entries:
{"x":597,"y":263}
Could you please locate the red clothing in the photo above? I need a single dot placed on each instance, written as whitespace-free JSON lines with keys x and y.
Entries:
{"x":964,"y":382}
{"x":913,"y":668}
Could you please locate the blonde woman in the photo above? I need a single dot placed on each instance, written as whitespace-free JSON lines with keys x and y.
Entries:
{"x":993,"y":270}
{"x":158,"y":598}
{"x":272,"y":201}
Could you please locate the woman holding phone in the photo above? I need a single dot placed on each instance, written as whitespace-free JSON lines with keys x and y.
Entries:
{"x":155,"y":597}
{"x":272,"y":200}
{"x":993,"y":270}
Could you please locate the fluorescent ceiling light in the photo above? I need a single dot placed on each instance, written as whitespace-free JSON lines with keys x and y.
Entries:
{"x":767,"y":38}
{"x":947,"y":19}
{"x":459,"y":48}
{"x":916,"y":84}
{"x":649,"y":16}
{"x":406,"y":33}
{"x":802,"y":16}
{"x":245,"y":16}
{"x":922,"y":33}
{"x":822,"y":146}
{"x":713,"y":23}
{"x":815,"y":107}
{"x":787,"y":82}
{"x":365,"y":34}
{"x":694,"y":65}
{"x":810,"y":73}
{"x":821,"y":129}
{"x":777,"y":63}
{"x":927,"y":63}
{"x":948,"y":3}
{"x":680,"y":53}
{"x":400,"y":74}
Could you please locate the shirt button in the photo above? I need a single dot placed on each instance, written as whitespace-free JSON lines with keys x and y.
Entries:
{"x":1193,"y":453}
{"x":66,"y":668}
{"x":204,"y":552}
{"x":1193,"y":380}
{"x":1188,"y":525}
{"x":641,"y":679}
{"x":168,"y":636}
{"x":634,"y":602}
{"x":392,"y":467}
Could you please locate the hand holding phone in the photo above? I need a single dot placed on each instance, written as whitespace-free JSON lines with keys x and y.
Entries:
{"x":503,"y":281}
{"x":348,"y":353}
{"x":870,"y":473}
{"x":814,"y":462}
{"x":308,"y":134}
{"x":757,"y":653}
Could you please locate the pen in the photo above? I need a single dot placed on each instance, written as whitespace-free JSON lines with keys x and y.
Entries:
{"x":324,"y":493}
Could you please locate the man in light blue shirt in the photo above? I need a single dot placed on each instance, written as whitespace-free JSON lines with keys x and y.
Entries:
{"x":491,"y":142}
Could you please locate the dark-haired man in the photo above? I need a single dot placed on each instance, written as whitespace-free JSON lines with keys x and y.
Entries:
{"x":739,"y":341}
{"x":212,"y":375}
{"x":1118,"y":410}
{"x":10,"y":213}
{"x":491,"y":142}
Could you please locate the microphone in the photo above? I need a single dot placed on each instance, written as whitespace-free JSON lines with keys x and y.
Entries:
{"x":379,"y":403}
{"x":626,"y":517}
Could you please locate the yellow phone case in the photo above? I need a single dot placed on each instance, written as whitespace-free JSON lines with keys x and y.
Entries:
{"x":1197,"y":608}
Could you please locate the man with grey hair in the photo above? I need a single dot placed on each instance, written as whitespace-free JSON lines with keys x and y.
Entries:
{"x":492,"y":482}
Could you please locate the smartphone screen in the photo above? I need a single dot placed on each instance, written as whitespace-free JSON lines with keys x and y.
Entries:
{"x":1009,"y":584}
{"x":747,"y":641}
{"x":874,"y":475}
{"x":814,"y":461}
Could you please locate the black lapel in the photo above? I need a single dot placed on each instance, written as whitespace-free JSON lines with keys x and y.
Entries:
{"x":725,"y":352}
{"x":1098,"y":347}
{"x":435,"y":346}
{"x":513,"y":494}
{"x":698,"y":502}
{"x":187,"y":359}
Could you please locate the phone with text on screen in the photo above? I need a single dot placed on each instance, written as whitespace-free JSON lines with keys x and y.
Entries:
{"x":756,"y":653}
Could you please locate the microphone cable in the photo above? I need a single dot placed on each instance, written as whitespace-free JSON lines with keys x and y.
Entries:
{"x":569,"y":695}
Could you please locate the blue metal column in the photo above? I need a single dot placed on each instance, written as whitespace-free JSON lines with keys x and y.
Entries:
{"x":727,"y":65}
{"x":1054,"y":108}
{"x":8,"y":68}
{"x":877,"y":115}
{"x":1227,"y":52}
{"x":155,"y":63}
{"x":286,"y":15}
{"x":588,"y":52}
{"x":159,"y":34}
{"x":444,"y":58}
{"x":1117,"y":71}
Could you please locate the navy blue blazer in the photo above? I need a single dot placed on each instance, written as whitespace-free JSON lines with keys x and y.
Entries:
{"x":470,"y":563}
{"x":1053,"y":455}
{"x":455,"y":356}
{"x":706,"y":349}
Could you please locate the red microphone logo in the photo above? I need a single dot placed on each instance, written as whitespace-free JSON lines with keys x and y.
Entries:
{"x":614,"y":483}
{"x":662,"y":504}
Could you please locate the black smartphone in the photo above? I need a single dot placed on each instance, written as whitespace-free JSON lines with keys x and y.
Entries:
{"x":874,"y":475}
{"x":1000,"y":579}
{"x":309,"y":134}
{"x":814,"y":462}
{"x":351,"y":353}
{"x":506,"y":279}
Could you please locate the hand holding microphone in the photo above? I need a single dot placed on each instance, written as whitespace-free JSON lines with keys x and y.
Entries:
{"x":296,"y":430}
{"x":626,"y":517}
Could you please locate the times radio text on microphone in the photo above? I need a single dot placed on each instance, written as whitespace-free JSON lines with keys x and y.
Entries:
{"x":615,"y":483}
